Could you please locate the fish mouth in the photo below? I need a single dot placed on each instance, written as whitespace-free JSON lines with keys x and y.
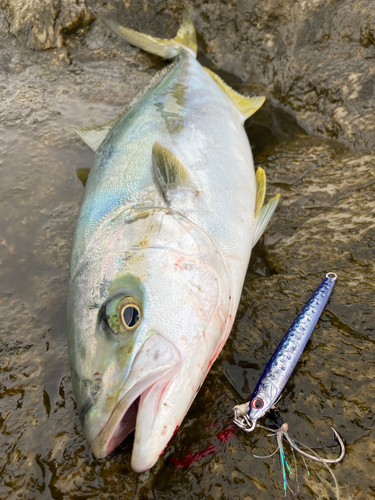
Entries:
{"x":153,"y":368}
{"x":124,"y":427}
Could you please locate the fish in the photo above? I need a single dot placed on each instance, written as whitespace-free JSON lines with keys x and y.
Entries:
{"x":171,"y":210}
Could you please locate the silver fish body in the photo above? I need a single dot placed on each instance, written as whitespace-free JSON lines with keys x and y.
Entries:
{"x":160,"y":252}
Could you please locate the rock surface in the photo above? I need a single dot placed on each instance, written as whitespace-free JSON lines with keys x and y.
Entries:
{"x":44,"y":24}
{"x":303,"y":56}
{"x":316,"y":59}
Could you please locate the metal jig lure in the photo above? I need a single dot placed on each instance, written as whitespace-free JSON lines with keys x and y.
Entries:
{"x":278,"y":371}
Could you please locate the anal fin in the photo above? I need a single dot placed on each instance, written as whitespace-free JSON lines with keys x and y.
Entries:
{"x":263,"y":214}
{"x":261,"y":190}
{"x":264,"y":217}
{"x":246,"y":106}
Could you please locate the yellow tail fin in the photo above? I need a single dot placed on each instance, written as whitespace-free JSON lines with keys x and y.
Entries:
{"x":184,"y":41}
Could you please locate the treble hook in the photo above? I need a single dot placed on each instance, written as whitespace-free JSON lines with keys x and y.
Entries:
{"x":316,"y":458}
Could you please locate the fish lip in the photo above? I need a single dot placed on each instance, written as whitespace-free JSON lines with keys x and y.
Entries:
{"x":106,"y":441}
{"x":136,"y":385}
{"x":100,"y":444}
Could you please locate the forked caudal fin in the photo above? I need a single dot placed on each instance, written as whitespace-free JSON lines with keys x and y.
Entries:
{"x":184,"y":41}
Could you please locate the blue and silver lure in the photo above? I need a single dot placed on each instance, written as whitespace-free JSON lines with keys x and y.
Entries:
{"x":278,"y":371}
{"x":284,"y":359}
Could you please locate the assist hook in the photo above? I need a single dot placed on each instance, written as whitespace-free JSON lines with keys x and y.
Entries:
{"x":316,"y":458}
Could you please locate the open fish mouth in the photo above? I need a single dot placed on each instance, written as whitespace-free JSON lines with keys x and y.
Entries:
{"x":153,"y":368}
{"x":124,"y":427}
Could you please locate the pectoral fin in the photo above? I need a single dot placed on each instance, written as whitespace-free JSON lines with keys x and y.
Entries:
{"x":185,"y":40}
{"x":246,"y":106}
{"x":169,"y":172}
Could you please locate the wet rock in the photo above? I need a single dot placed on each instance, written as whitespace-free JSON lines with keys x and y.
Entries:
{"x":44,"y":24}
{"x":58,"y":232}
{"x":330,"y":216}
{"x":317,"y":59}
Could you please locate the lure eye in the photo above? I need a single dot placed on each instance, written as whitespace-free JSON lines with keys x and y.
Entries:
{"x":130,"y":316}
{"x":257,"y":404}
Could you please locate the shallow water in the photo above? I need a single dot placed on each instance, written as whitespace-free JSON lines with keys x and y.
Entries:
{"x":324,"y":223}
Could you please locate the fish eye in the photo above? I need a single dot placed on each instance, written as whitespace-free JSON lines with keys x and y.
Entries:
{"x":130,"y":316}
{"x":121,"y":314}
{"x":258,"y":403}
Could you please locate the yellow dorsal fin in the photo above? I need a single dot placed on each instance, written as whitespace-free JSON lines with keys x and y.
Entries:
{"x":261,"y":190}
{"x":247,"y":106}
{"x":94,"y":136}
{"x":185,"y":40}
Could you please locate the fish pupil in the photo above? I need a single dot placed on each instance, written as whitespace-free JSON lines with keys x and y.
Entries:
{"x":130,"y":316}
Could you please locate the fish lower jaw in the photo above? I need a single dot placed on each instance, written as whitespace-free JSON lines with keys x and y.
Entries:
{"x":121,"y":423}
{"x":123,"y":419}
{"x":125,"y":427}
